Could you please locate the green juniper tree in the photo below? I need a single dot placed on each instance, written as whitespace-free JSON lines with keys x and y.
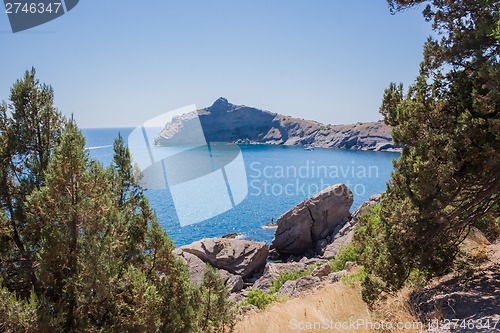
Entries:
{"x":29,"y":131}
{"x":448,"y":176}
{"x":81,"y":249}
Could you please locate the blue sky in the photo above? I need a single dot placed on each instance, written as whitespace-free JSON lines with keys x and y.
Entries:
{"x":117,"y":63}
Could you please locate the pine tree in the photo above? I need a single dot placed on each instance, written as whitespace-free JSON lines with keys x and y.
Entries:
{"x":81,"y":249}
{"x":27,"y":138}
{"x":448,"y":176}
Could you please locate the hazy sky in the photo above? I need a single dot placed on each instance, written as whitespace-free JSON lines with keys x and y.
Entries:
{"x":117,"y":63}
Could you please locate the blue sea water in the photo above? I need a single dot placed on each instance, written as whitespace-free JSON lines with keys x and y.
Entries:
{"x":278,"y":178}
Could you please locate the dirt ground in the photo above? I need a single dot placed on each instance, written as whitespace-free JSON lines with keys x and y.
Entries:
{"x":469,"y":304}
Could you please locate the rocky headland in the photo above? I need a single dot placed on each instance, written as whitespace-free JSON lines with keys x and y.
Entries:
{"x":226,"y":122}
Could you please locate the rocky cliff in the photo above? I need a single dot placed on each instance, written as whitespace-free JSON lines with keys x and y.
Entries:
{"x":226,"y":122}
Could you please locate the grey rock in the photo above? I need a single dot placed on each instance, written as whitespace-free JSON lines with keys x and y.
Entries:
{"x":312,"y":220}
{"x":233,"y":283}
{"x":336,"y":276}
{"x":295,"y":258}
{"x":236,"y":297}
{"x":321,"y":246}
{"x":344,"y":235}
{"x":239,"y":257}
{"x":232,"y":235}
{"x":226,"y":122}
{"x":294,"y":288}
{"x":264,"y":283}
{"x":196,"y":266}
{"x":273,"y":270}
{"x":322,"y":270}
{"x":309,"y":261}
{"x":333,"y":248}
{"x":196,"y":269}
{"x":244,"y":310}
{"x":273,"y":254}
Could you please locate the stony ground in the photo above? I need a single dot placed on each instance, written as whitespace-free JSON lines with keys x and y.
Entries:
{"x":473,"y":302}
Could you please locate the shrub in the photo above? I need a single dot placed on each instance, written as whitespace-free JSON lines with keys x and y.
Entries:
{"x":259,"y":298}
{"x":81,"y":250}
{"x":277,"y":283}
{"x":417,"y":278}
{"x":355,"y":278}
{"x":372,"y":286}
{"x":348,"y":253}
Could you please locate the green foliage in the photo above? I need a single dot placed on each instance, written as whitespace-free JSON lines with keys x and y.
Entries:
{"x":417,"y":278}
{"x":80,"y":247}
{"x":356,"y":277}
{"x":372,"y":286}
{"x":17,"y":315}
{"x":446,"y":180}
{"x":29,"y":130}
{"x":259,"y":298}
{"x":277,"y":283}
{"x":325,"y":127}
{"x":216,"y":313}
{"x":489,"y":224}
{"x":348,"y":253}
{"x":369,"y":241}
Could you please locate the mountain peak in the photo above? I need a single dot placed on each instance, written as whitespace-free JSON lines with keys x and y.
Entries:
{"x":220,"y":104}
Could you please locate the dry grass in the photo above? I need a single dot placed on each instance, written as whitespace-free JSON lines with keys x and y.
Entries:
{"x":335,"y":303}
{"x":341,"y":302}
{"x":397,"y":309}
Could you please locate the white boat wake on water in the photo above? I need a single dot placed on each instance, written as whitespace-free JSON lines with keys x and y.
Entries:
{"x":98,"y":147}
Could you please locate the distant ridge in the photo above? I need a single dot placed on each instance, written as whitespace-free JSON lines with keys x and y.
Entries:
{"x":226,"y":122}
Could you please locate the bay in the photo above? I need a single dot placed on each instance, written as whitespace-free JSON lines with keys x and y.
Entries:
{"x":278,"y":178}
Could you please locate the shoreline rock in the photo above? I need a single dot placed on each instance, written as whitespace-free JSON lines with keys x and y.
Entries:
{"x":236,"y":256}
{"x":245,"y":264}
{"x":308,"y":224}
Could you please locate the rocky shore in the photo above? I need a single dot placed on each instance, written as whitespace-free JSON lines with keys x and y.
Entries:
{"x":226,"y":122}
{"x":306,"y":237}
{"x":312,"y":233}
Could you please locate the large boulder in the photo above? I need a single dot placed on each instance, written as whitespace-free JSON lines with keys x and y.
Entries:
{"x":312,"y":220}
{"x":344,"y":236}
{"x":196,"y":266}
{"x":239,"y":257}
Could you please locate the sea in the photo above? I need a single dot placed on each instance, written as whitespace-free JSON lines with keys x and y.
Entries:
{"x":277,"y":179}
